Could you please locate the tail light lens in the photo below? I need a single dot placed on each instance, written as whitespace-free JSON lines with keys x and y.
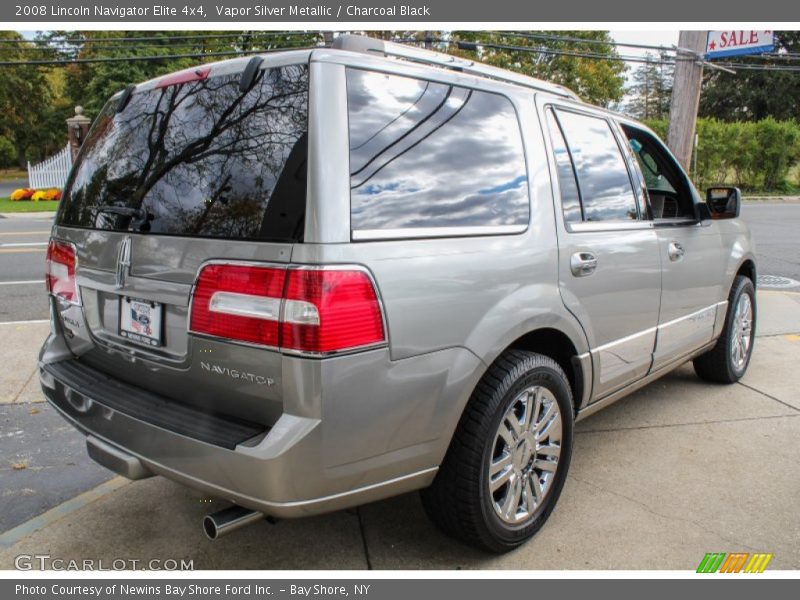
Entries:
{"x":317,"y":311}
{"x":239,"y":302}
{"x":331,"y":310}
{"x":60,"y":271}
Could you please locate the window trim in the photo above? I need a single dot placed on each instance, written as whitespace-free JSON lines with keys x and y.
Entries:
{"x":676,"y":167}
{"x":403,"y":233}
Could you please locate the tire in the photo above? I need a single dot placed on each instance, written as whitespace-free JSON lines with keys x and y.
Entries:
{"x":722,"y":364}
{"x":460,"y":501}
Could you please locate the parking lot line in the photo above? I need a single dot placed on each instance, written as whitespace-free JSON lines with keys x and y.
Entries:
{"x":12,"y":250}
{"x":12,"y":536}
{"x":29,"y":322}
{"x":22,"y":244}
{"x":26,"y":282}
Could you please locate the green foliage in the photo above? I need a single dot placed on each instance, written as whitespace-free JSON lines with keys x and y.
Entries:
{"x":26,"y":100}
{"x":595,"y":80}
{"x":8,"y":153}
{"x":650,"y":92}
{"x":91,"y":84}
{"x":756,"y":156}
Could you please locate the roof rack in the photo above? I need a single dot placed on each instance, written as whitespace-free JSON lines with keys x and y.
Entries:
{"x":367,"y":45}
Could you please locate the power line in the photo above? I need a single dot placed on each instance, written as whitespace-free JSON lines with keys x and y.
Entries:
{"x":73,"y":61}
{"x":561,"y":38}
{"x":460,"y":44}
{"x":159,"y":38}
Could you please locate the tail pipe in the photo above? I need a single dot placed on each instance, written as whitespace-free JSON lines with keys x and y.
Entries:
{"x":227,"y":520}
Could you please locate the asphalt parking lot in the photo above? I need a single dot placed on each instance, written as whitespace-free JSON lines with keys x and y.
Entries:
{"x":676,"y":470}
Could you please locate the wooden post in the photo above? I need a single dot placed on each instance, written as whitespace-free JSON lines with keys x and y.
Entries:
{"x":686,"y":96}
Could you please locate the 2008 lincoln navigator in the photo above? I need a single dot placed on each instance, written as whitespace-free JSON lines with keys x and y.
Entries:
{"x":316,"y":278}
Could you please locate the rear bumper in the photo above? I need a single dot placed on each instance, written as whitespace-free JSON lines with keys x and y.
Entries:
{"x":382,"y":429}
{"x":267,"y":477}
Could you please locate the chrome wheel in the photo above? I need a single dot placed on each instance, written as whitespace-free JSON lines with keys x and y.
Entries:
{"x":742,"y":332}
{"x":525,"y":455}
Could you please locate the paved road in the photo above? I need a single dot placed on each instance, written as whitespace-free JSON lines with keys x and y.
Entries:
{"x":776,"y":230}
{"x":9,"y":185}
{"x":23,"y":242}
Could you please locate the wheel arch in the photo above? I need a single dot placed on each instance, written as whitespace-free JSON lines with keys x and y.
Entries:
{"x":748,"y":269}
{"x":556,"y":344}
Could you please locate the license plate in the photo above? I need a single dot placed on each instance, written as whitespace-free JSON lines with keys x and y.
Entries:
{"x":140,"y":321}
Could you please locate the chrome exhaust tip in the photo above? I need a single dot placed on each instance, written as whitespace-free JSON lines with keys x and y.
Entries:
{"x":227,"y":520}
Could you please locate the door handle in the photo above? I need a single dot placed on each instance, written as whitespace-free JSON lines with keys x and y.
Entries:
{"x":675,"y":251}
{"x":582,"y":264}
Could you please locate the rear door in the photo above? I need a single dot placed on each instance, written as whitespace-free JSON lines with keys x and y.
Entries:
{"x":691,"y":251}
{"x":609,"y":264}
{"x":192,"y":168}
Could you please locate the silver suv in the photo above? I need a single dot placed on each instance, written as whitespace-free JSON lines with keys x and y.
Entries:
{"x":313,"y":279}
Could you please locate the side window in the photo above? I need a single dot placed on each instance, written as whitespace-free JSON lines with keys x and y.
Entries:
{"x":427,"y":155}
{"x":567,"y":182}
{"x":603,"y":180}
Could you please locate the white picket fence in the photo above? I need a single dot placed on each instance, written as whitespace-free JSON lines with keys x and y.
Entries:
{"x":51,"y":172}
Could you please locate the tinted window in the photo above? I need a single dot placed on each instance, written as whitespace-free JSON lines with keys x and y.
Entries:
{"x":426,"y":154}
{"x":568,"y":185}
{"x":199,"y":159}
{"x":605,"y":186}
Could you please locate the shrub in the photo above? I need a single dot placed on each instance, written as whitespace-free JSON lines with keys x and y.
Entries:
{"x":752,"y":155}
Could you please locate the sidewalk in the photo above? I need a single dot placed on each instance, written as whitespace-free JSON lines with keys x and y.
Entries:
{"x":676,"y":470}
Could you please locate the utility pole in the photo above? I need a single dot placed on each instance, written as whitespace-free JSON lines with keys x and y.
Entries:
{"x":686,"y":95}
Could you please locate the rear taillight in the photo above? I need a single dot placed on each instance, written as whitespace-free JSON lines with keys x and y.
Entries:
{"x":60,"y":271}
{"x":330,"y":310}
{"x":307,"y":310}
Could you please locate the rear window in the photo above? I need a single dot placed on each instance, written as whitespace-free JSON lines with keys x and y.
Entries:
{"x":199,"y":159}
{"x":430,"y":158}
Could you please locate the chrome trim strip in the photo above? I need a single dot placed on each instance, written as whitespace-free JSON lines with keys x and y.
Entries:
{"x":689,"y":316}
{"x":624,"y":340}
{"x":594,"y":226}
{"x":435,"y":232}
{"x":632,"y":387}
{"x":649,"y":330}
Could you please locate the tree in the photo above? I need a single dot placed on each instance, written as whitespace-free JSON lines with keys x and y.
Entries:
{"x":755,"y":95}
{"x":650,"y":90}
{"x":598,"y":79}
{"x":25,"y":94}
{"x":91,"y":84}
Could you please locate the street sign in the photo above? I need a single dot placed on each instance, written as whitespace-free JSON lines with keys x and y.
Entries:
{"x":734,"y":43}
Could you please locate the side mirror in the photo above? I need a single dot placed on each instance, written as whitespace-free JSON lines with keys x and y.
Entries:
{"x":724,"y":202}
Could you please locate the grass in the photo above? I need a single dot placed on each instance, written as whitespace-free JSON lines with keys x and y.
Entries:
{"x":25,"y":206}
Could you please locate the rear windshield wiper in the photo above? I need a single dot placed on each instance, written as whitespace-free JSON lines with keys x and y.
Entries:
{"x":136,"y":213}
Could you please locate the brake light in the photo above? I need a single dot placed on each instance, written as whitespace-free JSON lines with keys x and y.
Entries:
{"x":239,"y":302}
{"x":60,"y":271}
{"x":308,"y":310}
{"x":330,"y":310}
